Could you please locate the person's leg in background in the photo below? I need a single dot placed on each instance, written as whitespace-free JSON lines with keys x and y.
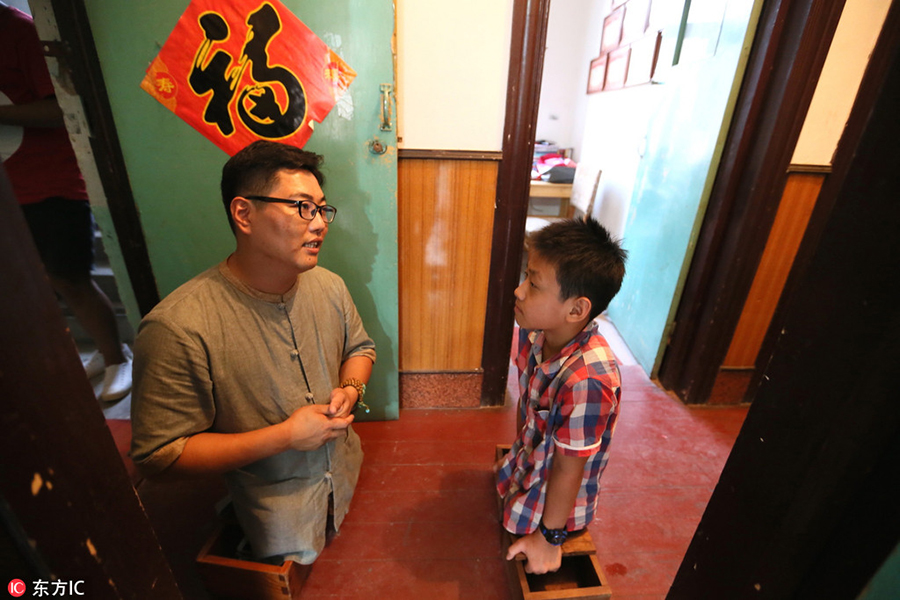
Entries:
{"x":63,"y":232}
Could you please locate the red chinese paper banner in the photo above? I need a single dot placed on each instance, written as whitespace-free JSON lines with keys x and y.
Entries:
{"x":245,"y":70}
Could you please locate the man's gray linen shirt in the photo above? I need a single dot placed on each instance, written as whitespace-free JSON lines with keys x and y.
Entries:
{"x":219,"y":356}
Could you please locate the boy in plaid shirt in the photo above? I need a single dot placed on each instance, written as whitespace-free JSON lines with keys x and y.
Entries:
{"x":550,"y":478}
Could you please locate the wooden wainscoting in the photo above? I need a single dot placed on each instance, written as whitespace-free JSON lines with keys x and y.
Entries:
{"x":446,"y":211}
{"x":800,"y":193}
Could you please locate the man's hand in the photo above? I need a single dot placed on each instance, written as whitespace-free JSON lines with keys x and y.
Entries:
{"x":312,"y":426}
{"x":543,"y":557}
{"x":341,"y":404}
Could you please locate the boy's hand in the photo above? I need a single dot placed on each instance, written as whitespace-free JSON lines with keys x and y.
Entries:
{"x":542,"y":556}
{"x":498,"y":464}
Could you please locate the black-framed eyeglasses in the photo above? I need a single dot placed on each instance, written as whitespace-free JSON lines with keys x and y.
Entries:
{"x":308,"y":210}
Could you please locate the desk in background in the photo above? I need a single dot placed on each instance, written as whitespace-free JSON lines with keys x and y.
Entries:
{"x":544,"y":192}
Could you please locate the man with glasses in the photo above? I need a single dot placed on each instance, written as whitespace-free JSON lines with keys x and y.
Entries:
{"x":254,"y":368}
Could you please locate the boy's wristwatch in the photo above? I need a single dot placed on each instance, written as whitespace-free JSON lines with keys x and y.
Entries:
{"x":554,"y":537}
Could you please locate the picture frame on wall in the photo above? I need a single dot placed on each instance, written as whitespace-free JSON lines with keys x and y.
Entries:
{"x":642,"y":62}
{"x":612,"y":30}
{"x":617,"y":68}
{"x":631,"y":46}
{"x":597,"y":75}
{"x":637,"y":16}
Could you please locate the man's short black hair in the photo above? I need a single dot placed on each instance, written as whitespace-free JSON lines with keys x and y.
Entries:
{"x":253,"y":170}
{"x":588,"y":261}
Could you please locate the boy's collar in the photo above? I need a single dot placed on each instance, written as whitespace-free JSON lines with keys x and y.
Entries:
{"x":538,"y":340}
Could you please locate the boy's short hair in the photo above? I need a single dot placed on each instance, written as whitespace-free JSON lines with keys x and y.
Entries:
{"x":253,"y":170}
{"x":588,"y":261}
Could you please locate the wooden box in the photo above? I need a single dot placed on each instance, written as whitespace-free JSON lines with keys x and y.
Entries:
{"x":227,"y":576}
{"x":580,"y":576}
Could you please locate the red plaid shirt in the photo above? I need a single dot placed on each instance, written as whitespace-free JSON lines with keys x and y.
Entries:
{"x":569,"y":405}
{"x":43,"y":165}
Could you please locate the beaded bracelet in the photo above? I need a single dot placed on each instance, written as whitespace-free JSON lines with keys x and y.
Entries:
{"x":360,"y":388}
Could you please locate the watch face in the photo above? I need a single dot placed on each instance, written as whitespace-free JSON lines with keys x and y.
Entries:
{"x":555,"y":537}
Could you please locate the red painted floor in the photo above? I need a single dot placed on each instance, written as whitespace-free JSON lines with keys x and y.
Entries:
{"x":423,"y":522}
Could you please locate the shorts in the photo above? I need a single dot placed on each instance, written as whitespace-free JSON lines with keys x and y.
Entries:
{"x":63,"y":231}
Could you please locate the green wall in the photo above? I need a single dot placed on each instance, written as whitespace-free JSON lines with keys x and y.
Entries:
{"x":174,"y":171}
{"x":684,"y":144}
{"x":885,"y":584}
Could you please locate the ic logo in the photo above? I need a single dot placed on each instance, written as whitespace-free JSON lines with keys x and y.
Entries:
{"x":17,"y":588}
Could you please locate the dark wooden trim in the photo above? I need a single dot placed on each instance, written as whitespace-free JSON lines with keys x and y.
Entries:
{"x":806,"y":506}
{"x":526,"y":63}
{"x":809,"y":169}
{"x":869,"y":88}
{"x":448,"y":154}
{"x":75,"y":31}
{"x":67,"y":501}
{"x":791,"y":44}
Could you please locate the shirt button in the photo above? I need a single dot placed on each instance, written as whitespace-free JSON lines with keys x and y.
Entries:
{"x":294,"y":354}
{"x":328,"y":475}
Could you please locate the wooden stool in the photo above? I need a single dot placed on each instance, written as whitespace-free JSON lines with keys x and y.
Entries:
{"x":226,"y":576}
{"x":578,"y":578}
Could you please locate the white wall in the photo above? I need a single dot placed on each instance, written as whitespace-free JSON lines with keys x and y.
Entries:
{"x":615,"y":133}
{"x":452,"y":63}
{"x":613,"y":124}
{"x":847,"y":58}
{"x":563,"y":98}
{"x":452,"y":68}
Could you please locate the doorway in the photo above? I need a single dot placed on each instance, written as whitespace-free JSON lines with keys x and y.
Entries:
{"x":647,"y":163}
{"x":782,"y":70}
{"x":595,"y":113}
